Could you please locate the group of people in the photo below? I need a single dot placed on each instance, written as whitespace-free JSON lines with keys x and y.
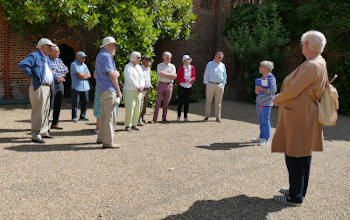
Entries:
{"x":298,"y":131}
{"x":47,"y":74}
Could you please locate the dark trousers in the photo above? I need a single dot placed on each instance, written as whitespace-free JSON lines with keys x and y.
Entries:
{"x":145,"y":102}
{"x":56,"y":98}
{"x":76,"y":96}
{"x":184,"y":95}
{"x":299,"y":171}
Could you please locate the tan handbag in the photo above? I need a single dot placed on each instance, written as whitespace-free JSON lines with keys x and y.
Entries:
{"x":328,"y":105}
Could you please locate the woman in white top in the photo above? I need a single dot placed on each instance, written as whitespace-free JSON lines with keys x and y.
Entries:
{"x":185,"y":77}
{"x":134,"y":82}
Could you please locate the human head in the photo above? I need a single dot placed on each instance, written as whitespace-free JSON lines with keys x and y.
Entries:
{"x":219,"y":56}
{"x":135,"y":57}
{"x":266,"y":66}
{"x":167,"y":57}
{"x":55,"y":52}
{"x":45,"y":45}
{"x":109,"y":44}
{"x":146,"y":60}
{"x":313,"y":42}
{"x":80,"y":56}
{"x":186,"y":59}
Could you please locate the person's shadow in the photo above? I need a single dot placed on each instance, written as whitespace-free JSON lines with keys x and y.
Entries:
{"x":227,"y":146}
{"x":238,"y":207}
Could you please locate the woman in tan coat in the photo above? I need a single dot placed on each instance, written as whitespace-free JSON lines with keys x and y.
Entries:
{"x":298,"y":131}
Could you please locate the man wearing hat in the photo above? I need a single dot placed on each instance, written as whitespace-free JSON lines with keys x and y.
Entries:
{"x":146,"y":61}
{"x":108,"y":89}
{"x":36,"y":67}
{"x":80,"y":75}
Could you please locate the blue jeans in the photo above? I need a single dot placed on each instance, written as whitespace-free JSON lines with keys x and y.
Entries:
{"x":76,"y":96}
{"x":264,"y":119}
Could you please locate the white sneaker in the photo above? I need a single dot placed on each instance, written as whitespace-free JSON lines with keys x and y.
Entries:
{"x":263,"y":142}
{"x":257,"y":139}
{"x":178,"y":119}
{"x":186,"y":119}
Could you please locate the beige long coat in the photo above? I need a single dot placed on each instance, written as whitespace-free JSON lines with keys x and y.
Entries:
{"x":298,"y":131}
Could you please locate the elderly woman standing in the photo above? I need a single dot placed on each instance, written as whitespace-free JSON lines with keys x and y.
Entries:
{"x":186,"y":74}
{"x":298,"y":131}
{"x":134,"y":82}
{"x":264,"y":104}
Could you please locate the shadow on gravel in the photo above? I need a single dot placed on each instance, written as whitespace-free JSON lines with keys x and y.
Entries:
{"x":14,"y":140}
{"x":13,"y":130}
{"x":53,"y":147}
{"x":238,"y":207}
{"x":227,"y":146}
{"x":82,"y":132}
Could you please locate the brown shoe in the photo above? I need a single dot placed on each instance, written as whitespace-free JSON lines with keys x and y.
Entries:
{"x":154,"y":121}
{"x":56,"y":127}
{"x":206,"y":119}
{"x":165,"y":121}
{"x":127,"y":129}
{"x":218,"y":120}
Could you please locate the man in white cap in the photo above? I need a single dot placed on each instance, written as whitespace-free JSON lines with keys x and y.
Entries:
{"x":36,"y":67}
{"x":80,"y":75}
{"x":108,"y":89}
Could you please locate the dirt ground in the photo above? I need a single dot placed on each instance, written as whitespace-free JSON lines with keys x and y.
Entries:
{"x":194,"y":170}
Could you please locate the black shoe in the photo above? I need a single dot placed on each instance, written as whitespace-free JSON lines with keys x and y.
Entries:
{"x":83,"y":119}
{"x":47,"y":136}
{"x":40,"y":141}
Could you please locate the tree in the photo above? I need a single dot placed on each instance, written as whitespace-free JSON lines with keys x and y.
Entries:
{"x":136,"y":25}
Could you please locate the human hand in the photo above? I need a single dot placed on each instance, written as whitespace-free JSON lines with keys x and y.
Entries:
{"x":60,"y":79}
{"x":275,"y":102}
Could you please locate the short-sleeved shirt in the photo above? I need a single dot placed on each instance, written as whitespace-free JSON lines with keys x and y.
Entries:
{"x":104,"y":64}
{"x":167,"y":68}
{"x":78,"y":84}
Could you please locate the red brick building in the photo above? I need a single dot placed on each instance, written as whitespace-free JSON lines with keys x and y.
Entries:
{"x":207,"y":32}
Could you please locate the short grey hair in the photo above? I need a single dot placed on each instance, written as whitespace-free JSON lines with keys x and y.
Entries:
{"x":267,"y":64}
{"x":219,"y":52}
{"x":167,"y":54}
{"x":134,"y":55}
{"x":316,"y":40}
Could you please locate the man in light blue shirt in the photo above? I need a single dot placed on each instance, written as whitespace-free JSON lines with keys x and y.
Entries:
{"x":80,"y":75}
{"x":215,"y":80}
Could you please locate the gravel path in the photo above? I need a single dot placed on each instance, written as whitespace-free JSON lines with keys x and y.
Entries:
{"x":194,"y":170}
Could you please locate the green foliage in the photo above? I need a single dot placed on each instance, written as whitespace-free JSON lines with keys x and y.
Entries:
{"x":255,"y":39}
{"x":136,"y":25}
{"x":194,"y":96}
{"x":287,"y":24}
{"x":153,"y":92}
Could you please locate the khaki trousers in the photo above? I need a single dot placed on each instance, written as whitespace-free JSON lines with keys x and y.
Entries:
{"x":40,"y":102}
{"x":216,"y":91}
{"x":108,"y":119}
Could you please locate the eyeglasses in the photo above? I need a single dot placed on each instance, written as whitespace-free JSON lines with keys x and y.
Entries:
{"x":138,"y":57}
{"x":220,"y":57}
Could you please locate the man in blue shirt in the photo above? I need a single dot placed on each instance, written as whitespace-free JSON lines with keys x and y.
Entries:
{"x":36,"y":68}
{"x":108,"y":89}
{"x":215,"y":80}
{"x":59,"y":69}
{"x":80,"y":75}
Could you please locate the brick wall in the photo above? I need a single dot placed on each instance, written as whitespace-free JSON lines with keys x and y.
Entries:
{"x":2,"y":56}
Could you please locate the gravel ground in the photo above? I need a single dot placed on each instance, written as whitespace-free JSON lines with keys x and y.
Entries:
{"x":194,"y":170}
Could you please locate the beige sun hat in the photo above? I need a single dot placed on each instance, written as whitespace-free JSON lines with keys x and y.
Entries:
{"x":44,"y":41}
{"x":108,"y":40}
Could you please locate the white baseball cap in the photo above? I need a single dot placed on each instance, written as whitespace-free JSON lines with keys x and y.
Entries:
{"x":186,"y":57}
{"x":108,"y":40}
{"x":44,"y":41}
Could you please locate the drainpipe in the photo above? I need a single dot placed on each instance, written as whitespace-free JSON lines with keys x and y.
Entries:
{"x":215,"y":23}
{"x":7,"y":83}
